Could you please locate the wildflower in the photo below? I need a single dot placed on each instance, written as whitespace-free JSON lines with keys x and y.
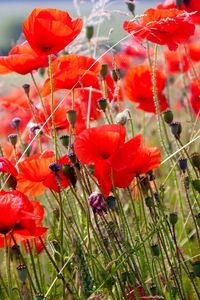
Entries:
{"x":138,"y":88}
{"x":22,"y":59}
{"x":73,"y":71}
{"x":115,"y":162}
{"x":164,"y":27}
{"x":36,"y":175}
{"x":19,"y":217}
{"x":49,"y":30}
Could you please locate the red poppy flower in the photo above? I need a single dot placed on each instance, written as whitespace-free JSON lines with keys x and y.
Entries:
{"x":49,"y":30}
{"x":188,"y":5}
{"x":22,"y":59}
{"x":36,"y":175}
{"x":73,"y":71}
{"x":105,"y":148}
{"x":194,"y":50}
{"x":164,"y":27}
{"x":195,"y":96}
{"x":19,"y":217}
{"x":176,"y":62}
{"x":138,"y":88}
{"x":7,"y":167}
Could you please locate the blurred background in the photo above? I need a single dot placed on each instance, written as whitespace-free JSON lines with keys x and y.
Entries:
{"x":13,"y":12}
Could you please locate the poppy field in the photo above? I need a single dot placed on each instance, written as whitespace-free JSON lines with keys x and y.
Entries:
{"x":99,"y":156}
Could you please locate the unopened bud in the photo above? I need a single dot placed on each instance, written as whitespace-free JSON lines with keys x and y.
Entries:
{"x":168,"y":116}
{"x":103,"y":103}
{"x":104,"y":70}
{"x":176,"y":129}
{"x":116,"y":74}
{"x":65,"y":140}
{"x":183,"y":164}
{"x":155,"y":250}
{"x":26,"y":88}
{"x":15,"y":123}
{"x":12,"y":139}
{"x":89,"y":32}
{"x":111,"y":202}
{"x":72,"y":117}
{"x":22,"y":272}
{"x":121,"y":118}
{"x":131,"y":6}
{"x":173,"y":218}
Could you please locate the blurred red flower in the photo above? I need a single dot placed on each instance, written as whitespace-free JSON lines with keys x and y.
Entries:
{"x":138,"y":88}
{"x":195,"y":96}
{"x":73,"y":71}
{"x":36,"y":175}
{"x":49,"y":30}
{"x":115,"y":162}
{"x":176,"y":61}
{"x":188,"y":5}
{"x":7,"y":167}
{"x":164,"y":27}
{"x":22,"y":59}
{"x":19,"y":217}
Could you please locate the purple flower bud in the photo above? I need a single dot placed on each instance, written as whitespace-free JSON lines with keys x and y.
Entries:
{"x":97,"y":203}
{"x":55,"y":167}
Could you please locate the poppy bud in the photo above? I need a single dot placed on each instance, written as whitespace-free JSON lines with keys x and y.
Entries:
{"x":178,"y":3}
{"x":183,"y":164}
{"x":168,"y":116}
{"x":22,"y":272}
{"x":195,"y":158}
{"x":196,"y":184}
{"x":155,"y":250}
{"x":13,"y":139}
{"x":72,"y":117}
{"x":173,"y":218}
{"x":26,"y":88}
{"x":41,"y":71}
{"x":97,"y":203}
{"x":102,"y":102}
{"x":65,"y":140}
{"x":111,"y":202}
{"x":116,"y":74}
{"x":149,"y":202}
{"x":196,"y":268}
{"x":176,"y":129}
{"x":198,"y":219}
{"x":131,"y":6}
{"x":69,"y":172}
{"x":16,"y":122}
{"x":39,"y":296}
{"x":121,"y":118}
{"x":104,"y":70}
{"x":89,"y":32}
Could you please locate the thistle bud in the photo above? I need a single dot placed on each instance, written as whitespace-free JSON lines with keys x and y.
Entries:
{"x":12,"y":139}
{"x":183,"y":164}
{"x":104,"y":70}
{"x":89,"y":32}
{"x":176,"y":129}
{"x":173,"y":218}
{"x":155,"y":250}
{"x":97,"y":203}
{"x":22,"y":272}
{"x":103,"y":103}
{"x":168,"y":116}
{"x":26,"y":88}
{"x":65,"y":140}
{"x":15,"y":123}
{"x":195,"y":158}
{"x":72,"y":117}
